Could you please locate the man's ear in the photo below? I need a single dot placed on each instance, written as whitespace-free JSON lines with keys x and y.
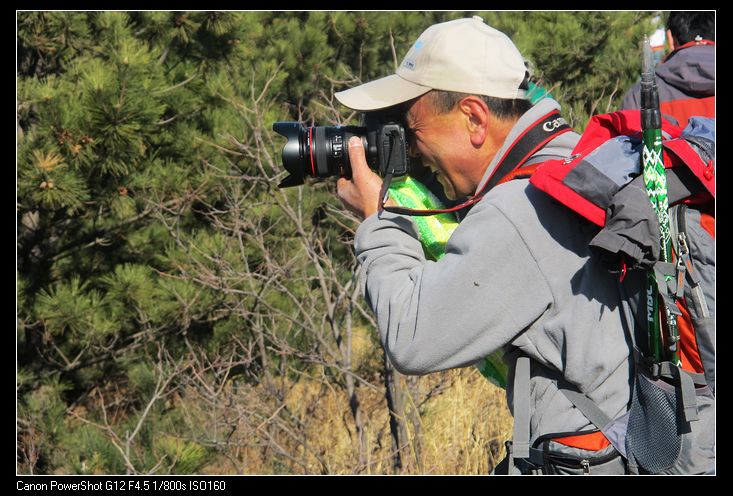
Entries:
{"x":477,"y":118}
{"x":671,"y":42}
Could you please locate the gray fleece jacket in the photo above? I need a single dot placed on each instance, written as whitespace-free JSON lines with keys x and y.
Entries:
{"x":517,"y":275}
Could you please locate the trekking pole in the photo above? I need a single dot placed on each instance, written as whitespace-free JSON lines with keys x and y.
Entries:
{"x":655,"y":181}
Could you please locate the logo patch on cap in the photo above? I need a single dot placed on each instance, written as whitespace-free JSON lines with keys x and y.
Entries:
{"x":410,"y":63}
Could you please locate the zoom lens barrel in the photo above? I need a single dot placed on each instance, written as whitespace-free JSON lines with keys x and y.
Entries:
{"x":319,"y":151}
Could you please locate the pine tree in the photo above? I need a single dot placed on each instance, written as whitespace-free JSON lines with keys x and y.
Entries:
{"x":111,"y":137}
{"x":586,"y":59}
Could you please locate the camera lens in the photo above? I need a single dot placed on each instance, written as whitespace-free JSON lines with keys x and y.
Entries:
{"x":318,"y":151}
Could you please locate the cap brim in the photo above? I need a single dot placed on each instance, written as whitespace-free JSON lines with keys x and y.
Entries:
{"x":381,"y":93}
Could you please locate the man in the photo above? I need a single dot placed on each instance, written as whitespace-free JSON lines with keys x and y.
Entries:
{"x":517,"y":274}
{"x":686,"y":77}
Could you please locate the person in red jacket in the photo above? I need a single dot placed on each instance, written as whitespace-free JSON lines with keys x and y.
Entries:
{"x":686,"y":77}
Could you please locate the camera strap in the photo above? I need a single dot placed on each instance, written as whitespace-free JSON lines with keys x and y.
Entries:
{"x":534,"y":137}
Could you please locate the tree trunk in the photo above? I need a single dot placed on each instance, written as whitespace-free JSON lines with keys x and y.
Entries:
{"x":414,"y":415}
{"x":354,"y":404}
{"x":397,"y":426}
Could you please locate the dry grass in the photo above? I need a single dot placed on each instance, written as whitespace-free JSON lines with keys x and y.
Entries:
{"x":462,"y":428}
{"x":466,"y":427}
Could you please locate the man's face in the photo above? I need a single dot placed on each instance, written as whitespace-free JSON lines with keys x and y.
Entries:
{"x":439,"y":139}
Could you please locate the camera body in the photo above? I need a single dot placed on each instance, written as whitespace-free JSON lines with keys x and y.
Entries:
{"x":322,"y":151}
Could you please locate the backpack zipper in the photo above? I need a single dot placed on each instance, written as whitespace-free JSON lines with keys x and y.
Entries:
{"x":705,"y":144}
{"x":564,"y":460}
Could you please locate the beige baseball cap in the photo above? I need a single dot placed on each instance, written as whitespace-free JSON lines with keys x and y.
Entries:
{"x":463,"y":55}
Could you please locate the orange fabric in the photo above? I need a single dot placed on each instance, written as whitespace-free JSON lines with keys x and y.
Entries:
{"x":521,"y":172}
{"x":682,"y":110}
{"x":595,"y":441}
{"x":707,"y":222}
{"x":689,"y":353}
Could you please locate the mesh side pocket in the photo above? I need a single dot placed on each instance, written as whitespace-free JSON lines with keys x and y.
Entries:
{"x":654,"y":435}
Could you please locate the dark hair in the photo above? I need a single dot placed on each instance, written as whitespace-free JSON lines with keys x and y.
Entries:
{"x":685,"y":26}
{"x":503,"y":108}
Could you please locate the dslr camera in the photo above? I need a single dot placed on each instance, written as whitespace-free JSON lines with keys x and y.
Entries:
{"x":322,"y":151}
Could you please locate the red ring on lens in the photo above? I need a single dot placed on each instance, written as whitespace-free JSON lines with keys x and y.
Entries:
{"x":312,"y":144}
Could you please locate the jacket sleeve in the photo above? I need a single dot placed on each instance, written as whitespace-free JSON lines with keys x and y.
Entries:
{"x":450,"y":313}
